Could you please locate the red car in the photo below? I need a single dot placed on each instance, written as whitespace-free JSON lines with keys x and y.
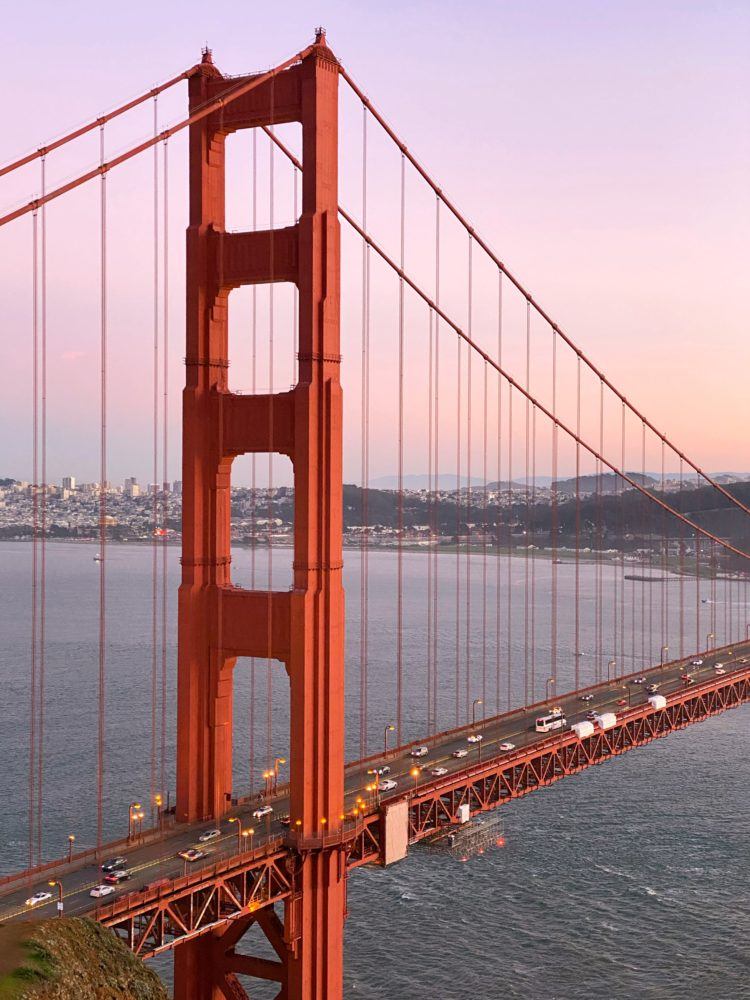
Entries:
{"x":622,"y":701}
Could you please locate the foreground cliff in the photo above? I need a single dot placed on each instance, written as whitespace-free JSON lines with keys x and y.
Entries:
{"x":70,"y":959}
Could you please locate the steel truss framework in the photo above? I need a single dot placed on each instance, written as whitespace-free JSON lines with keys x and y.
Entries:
{"x":218,"y":905}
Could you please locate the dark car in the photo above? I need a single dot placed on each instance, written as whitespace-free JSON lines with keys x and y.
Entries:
{"x":117,"y":876}
{"x":113,"y":864}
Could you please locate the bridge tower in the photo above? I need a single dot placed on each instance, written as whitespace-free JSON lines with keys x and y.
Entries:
{"x":218,"y":622}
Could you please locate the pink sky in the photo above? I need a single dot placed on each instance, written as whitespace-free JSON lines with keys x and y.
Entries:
{"x":602,"y":149}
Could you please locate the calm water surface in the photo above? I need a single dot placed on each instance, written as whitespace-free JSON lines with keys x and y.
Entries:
{"x":631,"y":881}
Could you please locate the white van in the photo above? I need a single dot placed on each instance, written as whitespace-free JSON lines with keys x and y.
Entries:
{"x":555,"y":720}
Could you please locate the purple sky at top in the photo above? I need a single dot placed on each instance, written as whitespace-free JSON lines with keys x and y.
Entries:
{"x":603,"y":149}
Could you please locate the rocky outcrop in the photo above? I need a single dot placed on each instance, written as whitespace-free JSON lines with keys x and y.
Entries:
{"x":71,"y":959}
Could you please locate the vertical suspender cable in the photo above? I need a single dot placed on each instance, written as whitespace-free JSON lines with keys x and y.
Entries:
{"x":400,"y":567}
{"x":165,"y":466}
{"x":35,"y":537}
{"x":430,"y":516}
{"x":154,"y":475}
{"x":510,"y":547}
{"x":102,"y":501}
{"x":553,"y":522}
{"x":577,"y":608}
{"x":43,"y":505}
{"x":271,"y":216}
{"x":532,"y":622}
{"x":621,"y":660}
{"x":435,"y":472}
{"x":253,"y":457}
{"x":499,"y":487}
{"x":458,"y":529}
{"x":484,"y":543}
{"x":528,"y":694}
{"x":468,"y":498}
{"x":682,"y":569}
{"x":363,"y":562}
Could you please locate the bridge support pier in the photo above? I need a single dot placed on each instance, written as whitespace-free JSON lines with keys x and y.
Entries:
{"x":217,"y":621}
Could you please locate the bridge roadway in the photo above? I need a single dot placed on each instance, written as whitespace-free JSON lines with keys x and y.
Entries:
{"x":158,"y":858}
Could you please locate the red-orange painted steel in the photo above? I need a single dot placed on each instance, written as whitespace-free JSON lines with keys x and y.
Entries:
{"x":217,"y":621}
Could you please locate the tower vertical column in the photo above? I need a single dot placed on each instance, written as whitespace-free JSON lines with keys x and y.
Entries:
{"x":317,"y":610}
{"x":204,"y":689}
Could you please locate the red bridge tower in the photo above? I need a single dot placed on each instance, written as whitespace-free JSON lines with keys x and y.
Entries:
{"x":304,"y":627}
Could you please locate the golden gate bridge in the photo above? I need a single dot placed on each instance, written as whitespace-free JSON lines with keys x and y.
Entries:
{"x":455,"y":364}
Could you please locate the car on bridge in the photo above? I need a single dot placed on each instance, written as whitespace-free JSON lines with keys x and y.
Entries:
{"x":113,"y":864}
{"x":475,"y":738}
{"x":438,"y":772}
{"x":698,"y":662}
{"x":385,"y":769}
{"x":38,"y":897}
{"x":459,"y":753}
{"x":101,"y":890}
{"x":719,"y":669}
{"x":388,"y":785}
{"x":263,"y":811}
{"x":192,"y":854}
{"x":418,"y":752}
{"x":506,"y":746}
{"x":586,"y":697}
{"x":117,"y":876}
{"x":652,"y":688}
{"x":209,"y":835}
{"x":638,"y":680}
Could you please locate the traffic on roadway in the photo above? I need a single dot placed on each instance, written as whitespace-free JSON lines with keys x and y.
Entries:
{"x":79,"y":888}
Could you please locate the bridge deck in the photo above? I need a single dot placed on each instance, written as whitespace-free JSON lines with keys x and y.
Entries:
{"x":153,"y":917}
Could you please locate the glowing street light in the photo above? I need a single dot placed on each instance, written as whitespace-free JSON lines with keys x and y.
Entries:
{"x":71,"y":841}
{"x":390,"y":729}
{"x":276,"y":762}
{"x":415,"y":774}
{"x":58,"y":883}
{"x":133,"y":811}
{"x":238,"y":821}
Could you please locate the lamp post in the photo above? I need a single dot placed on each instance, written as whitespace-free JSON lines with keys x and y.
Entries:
{"x":159,"y":801}
{"x":276,"y":762}
{"x":389,"y":729}
{"x":711,"y":635}
{"x":71,"y":841}
{"x":133,"y":810}
{"x":58,"y":883}
{"x":235,"y":819}
{"x":267,"y":777}
{"x":415,"y":774}
{"x":611,"y":663}
{"x":375,"y":771}
{"x":550,"y":683}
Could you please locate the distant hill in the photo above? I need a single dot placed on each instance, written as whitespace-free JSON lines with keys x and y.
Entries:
{"x":445,"y":481}
{"x":607,"y":483}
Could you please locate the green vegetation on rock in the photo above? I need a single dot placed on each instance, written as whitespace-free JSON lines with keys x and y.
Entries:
{"x":71,"y":959}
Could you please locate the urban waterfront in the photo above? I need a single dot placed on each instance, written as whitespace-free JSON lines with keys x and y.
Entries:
{"x":623,"y":880}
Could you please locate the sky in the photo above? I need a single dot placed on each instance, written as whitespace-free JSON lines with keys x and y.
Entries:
{"x":602,"y":149}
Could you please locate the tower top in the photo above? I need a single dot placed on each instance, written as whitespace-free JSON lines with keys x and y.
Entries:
{"x":207,"y":57}
{"x":320,"y":36}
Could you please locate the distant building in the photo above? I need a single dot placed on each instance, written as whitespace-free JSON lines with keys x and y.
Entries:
{"x":177,"y":487}
{"x":69,"y":483}
{"x":131,"y":488}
